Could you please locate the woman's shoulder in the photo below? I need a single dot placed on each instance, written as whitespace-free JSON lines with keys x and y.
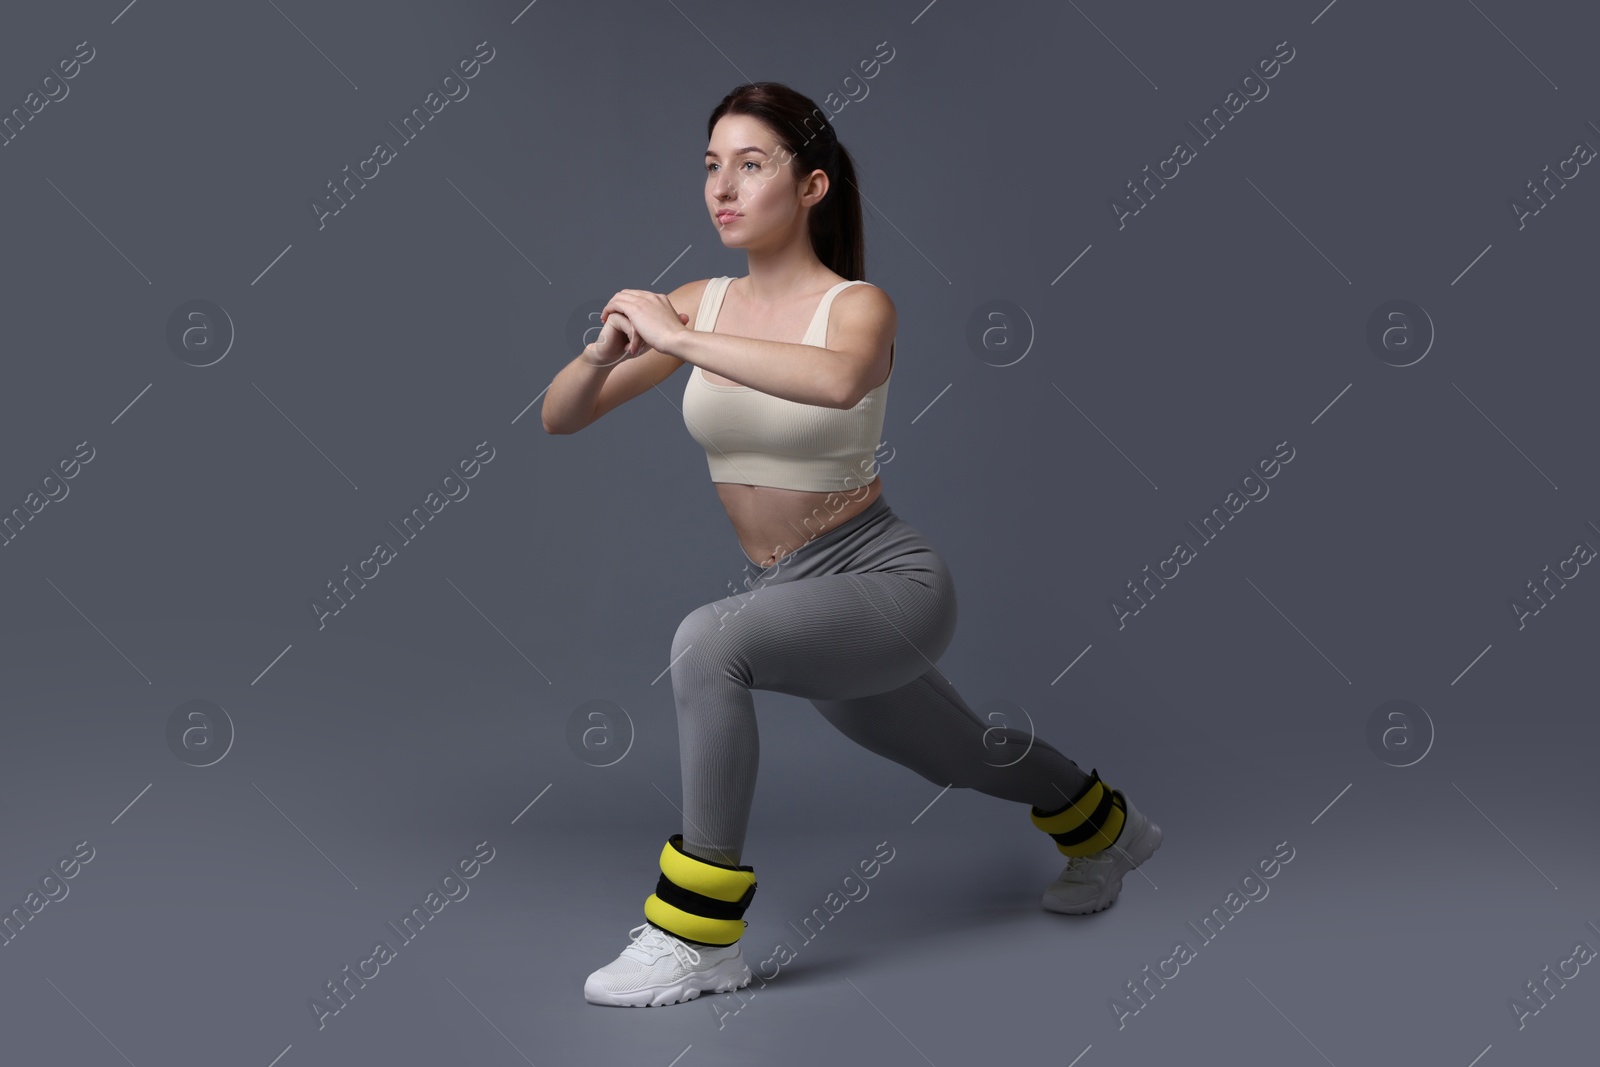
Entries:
{"x":866,"y":294}
{"x":867,"y":304}
{"x":689,"y":294}
{"x":877,"y":291}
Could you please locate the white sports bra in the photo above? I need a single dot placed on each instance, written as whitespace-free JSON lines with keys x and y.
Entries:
{"x":755,"y":438}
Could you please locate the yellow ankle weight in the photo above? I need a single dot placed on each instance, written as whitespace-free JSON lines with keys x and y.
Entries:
{"x":699,"y":900}
{"x":1092,"y":821}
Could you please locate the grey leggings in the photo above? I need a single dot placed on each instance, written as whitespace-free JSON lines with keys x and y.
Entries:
{"x":852,"y":621}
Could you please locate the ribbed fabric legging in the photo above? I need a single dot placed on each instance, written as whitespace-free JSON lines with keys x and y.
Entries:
{"x":853,"y":621}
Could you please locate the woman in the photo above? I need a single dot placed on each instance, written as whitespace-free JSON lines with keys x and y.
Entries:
{"x":849,"y":606}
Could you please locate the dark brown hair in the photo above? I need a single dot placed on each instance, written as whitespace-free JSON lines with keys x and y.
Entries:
{"x":803,"y":130}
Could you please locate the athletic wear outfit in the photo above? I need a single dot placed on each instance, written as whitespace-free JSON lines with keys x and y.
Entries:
{"x":755,"y":438}
{"x":852,"y":620}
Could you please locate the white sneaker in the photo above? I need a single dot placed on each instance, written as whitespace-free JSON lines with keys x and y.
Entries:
{"x":1091,"y":883}
{"x":658,"y":969}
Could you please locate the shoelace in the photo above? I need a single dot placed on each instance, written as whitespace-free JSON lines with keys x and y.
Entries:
{"x":1079,"y":867}
{"x":649,"y":941}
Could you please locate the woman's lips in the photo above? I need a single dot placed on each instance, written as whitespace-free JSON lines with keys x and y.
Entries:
{"x":727,"y":216}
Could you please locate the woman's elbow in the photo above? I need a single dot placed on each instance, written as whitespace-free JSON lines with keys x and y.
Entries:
{"x":850,"y":394}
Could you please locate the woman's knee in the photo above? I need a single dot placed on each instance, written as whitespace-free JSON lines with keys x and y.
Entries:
{"x":694,"y":629}
{"x":701,"y":643}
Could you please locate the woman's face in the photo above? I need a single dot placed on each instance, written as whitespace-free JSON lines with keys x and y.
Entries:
{"x":751,"y":191}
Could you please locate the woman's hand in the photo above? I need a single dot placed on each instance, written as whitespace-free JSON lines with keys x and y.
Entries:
{"x":619,"y":340}
{"x":651,"y":318}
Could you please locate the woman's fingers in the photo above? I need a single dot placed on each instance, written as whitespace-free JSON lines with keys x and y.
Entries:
{"x":618,"y":320}
{"x":622,"y":323}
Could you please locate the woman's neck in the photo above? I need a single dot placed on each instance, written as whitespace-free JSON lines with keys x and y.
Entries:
{"x":775,"y":279}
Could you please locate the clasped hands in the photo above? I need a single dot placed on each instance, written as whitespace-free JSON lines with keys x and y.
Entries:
{"x":644,"y":319}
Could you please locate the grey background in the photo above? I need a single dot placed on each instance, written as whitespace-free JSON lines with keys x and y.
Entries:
{"x":373,"y":354}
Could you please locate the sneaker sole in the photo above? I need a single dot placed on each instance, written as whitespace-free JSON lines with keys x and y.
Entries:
{"x":1138,"y":850}
{"x":727,"y":976}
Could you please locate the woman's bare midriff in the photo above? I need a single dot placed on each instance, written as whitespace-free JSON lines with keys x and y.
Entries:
{"x":770,"y":522}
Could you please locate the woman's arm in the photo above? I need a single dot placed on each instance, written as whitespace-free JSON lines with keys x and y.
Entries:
{"x":862,"y":322}
{"x":570,"y":399}
{"x":583,"y":393}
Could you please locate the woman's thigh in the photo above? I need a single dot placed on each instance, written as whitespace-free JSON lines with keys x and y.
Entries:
{"x":827,"y":637}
